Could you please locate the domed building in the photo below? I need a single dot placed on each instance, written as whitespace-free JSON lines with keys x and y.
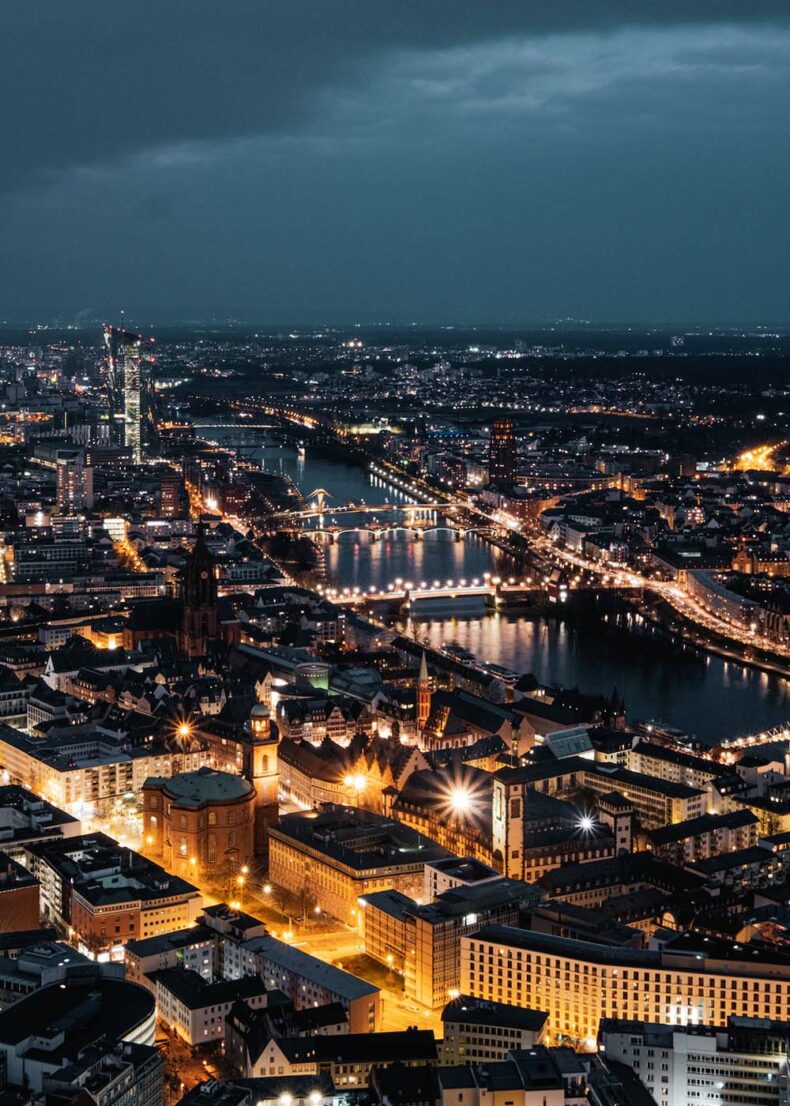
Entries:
{"x":200,"y":823}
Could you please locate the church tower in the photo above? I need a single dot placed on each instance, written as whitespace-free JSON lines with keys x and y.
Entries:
{"x":424,"y":689}
{"x":200,"y":619}
{"x":261,"y":768}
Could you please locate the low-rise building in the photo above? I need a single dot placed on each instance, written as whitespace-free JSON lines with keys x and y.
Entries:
{"x":195,"y":1009}
{"x":53,"y":1025}
{"x":19,"y":896}
{"x":703,"y":837}
{"x":26,"y":818}
{"x":36,"y":965}
{"x":349,"y":1058}
{"x":104,"y":895}
{"x":194,"y":948}
{"x":478,"y":1031}
{"x":107,"y":1074}
{"x":308,"y":981}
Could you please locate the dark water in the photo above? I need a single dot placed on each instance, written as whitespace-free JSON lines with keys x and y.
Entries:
{"x":705,"y":696}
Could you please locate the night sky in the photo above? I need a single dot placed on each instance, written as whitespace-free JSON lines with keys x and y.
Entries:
{"x":436,"y":161}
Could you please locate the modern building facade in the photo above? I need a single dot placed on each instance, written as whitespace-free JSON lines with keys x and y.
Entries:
{"x":124,"y":362}
{"x":502,"y":457}
{"x":744,"y":1062}
{"x":691,"y":981}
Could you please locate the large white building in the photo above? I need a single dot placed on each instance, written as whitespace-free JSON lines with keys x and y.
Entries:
{"x":691,"y":981}
{"x":746,"y":1062}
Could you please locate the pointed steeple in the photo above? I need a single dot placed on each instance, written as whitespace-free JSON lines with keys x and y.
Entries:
{"x":423,"y":693}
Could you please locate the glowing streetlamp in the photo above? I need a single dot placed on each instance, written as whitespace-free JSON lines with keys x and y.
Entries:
{"x":460,"y":800}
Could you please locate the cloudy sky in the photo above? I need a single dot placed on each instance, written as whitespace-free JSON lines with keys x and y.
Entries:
{"x":438,"y":161}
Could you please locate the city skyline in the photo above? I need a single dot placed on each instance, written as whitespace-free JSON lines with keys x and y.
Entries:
{"x":395,"y":553}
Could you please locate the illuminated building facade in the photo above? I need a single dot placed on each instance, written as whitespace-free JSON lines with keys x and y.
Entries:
{"x":684,"y":1064}
{"x":336,"y":856}
{"x":171,"y":493}
{"x":421,"y":940}
{"x":124,"y":360}
{"x":105,"y":894}
{"x":691,"y":981}
{"x":502,"y":455}
{"x":74,"y":481}
{"x":200,"y":822}
{"x":261,"y":767}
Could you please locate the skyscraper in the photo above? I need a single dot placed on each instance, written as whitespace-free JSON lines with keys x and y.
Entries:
{"x":123,"y":355}
{"x":502,"y":453}
{"x":74,"y":480}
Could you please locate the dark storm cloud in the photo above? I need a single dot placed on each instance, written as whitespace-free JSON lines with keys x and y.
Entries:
{"x":395,"y":159}
{"x":86,"y":81}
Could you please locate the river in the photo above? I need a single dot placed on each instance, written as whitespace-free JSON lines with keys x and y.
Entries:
{"x":705,"y":696}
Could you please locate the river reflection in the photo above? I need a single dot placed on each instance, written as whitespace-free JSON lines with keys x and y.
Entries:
{"x":707,"y":696}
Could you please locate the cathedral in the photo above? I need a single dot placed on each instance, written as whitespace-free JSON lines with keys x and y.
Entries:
{"x":200,"y":618}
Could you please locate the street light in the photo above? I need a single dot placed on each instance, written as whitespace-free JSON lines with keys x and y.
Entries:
{"x":460,"y":800}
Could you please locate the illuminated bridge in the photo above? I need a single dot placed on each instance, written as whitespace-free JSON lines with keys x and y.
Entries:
{"x":729,"y":749}
{"x":411,"y":510}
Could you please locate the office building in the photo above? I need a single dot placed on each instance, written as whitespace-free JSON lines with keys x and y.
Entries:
{"x":36,"y":962}
{"x":52,"y":1026}
{"x":26,"y":818}
{"x":476,"y":1031}
{"x":194,"y":949}
{"x":744,"y":1062}
{"x":308,"y":981}
{"x":502,"y":455}
{"x":421,"y":941}
{"x":104,"y":894}
{"x":692,"y":980}
{"x":335,"y":857}
{"x":124,"y":361}
{"x":106,"y":1074}
{"x":171,"y":493}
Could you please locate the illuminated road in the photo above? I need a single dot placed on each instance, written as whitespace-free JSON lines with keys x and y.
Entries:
{"x":760,"y":458}
{"x":684,"y":604}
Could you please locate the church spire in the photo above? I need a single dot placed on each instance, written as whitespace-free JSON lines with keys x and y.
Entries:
{"x":200,"y":623}
{"x":424,"y":689}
